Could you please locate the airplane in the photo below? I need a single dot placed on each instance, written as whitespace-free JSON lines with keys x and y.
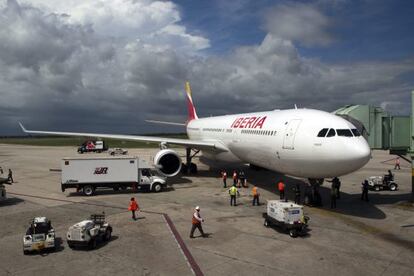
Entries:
{"x":305,"y":143}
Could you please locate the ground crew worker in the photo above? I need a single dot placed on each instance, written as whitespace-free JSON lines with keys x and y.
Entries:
{"x":256,"y":195}
{"x":196,"y":223}
{"x":333,"y":196}
{"x":397,"y":163}
{"x":390,"y":176}
{"x":10,"y":176}
{"x":364,"y":195}
{"x":281,"y":188}
{"x":233,"y":192}
{"x":296,"y":190}
{"x":224,"y":177}
{"x":242,"y":179}
{"x":235,"y":177}
{"x":133,"y":207}
{"x":336,"y":184}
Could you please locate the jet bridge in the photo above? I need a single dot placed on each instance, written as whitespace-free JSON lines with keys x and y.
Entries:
{"x":384,"y":131}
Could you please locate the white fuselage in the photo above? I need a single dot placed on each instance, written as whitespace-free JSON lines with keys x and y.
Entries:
{"x":285,"y":141}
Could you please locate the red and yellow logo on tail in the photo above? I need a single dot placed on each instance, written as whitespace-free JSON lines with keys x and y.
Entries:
{"x":192,"y":114}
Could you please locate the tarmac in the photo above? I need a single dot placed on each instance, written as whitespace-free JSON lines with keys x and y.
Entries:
{"x":356,"y":238}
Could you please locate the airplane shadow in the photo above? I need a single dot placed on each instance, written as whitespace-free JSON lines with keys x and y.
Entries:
{"x":100,"y":192}
{"x":349,"y":204}
{"x":179,"y":179}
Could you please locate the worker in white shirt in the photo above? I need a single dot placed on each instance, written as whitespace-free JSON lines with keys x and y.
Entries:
{"x":196,"y":223}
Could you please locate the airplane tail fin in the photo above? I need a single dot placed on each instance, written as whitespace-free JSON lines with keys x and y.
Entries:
{"x":192,"y":114}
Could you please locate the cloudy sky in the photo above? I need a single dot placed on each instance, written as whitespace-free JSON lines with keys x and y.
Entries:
{"x":106,"y":66}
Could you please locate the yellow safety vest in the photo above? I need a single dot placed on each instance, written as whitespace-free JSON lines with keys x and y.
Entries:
{"x":233,"y":190}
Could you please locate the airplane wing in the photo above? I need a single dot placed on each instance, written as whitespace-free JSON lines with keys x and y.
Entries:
{"x":198,"y":144}
{"x":165,"y":123}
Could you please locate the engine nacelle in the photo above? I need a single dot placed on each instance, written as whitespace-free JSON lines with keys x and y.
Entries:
{"x":167,"y":162}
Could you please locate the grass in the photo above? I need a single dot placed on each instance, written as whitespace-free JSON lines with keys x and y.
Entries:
{"x":76,"y":141}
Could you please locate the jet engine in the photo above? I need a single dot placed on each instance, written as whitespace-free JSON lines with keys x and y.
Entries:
{"x":167,"y":162}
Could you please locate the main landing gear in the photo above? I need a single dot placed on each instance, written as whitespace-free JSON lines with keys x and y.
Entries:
{"x":312,"y":195}
{"x":189,"y":167}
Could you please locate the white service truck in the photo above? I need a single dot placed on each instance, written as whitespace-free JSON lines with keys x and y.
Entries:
{"x":121,"y":172}
{"x":93,"y":146}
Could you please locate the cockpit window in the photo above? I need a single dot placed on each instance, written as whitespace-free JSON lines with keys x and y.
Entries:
{"x":331,"y":133}
{"x":323,"y":132}
{"x":355,"y":132}
{"x":344,"y":132}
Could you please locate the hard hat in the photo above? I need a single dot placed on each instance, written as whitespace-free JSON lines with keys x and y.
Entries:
{"x":197,"y":208}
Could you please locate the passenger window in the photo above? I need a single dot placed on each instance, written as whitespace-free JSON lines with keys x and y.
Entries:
{"x":344,"y":132}
{"x":355,"y":132}
{"x":323,"y":132}
{"x":331,"y":133}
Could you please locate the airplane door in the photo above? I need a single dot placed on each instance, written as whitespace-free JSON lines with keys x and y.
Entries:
{"x":290,"y":132}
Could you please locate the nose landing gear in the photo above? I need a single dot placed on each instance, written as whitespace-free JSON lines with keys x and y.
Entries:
{"x":312,"y":195}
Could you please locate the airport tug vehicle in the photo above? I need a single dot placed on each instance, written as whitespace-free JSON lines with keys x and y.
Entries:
{"x":286,"y":215}
{"x":378,"y":183}
{"x":39,"y":236}
{"x":88,"y":233}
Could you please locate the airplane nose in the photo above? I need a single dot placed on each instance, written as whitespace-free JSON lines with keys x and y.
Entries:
{"x":354,"y":155}
{"x":361,"y":152}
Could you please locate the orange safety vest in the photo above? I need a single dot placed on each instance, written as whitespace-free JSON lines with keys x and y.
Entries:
{"x":224,"y":175}
{"x":133,"y":206}
{"x":254,"y":191}
{"x":234,"y":175}
{"x":195,"y":220}
{"x":281,"y":186}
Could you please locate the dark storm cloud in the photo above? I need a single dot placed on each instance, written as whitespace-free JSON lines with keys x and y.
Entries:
{"x":67,"y":72}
